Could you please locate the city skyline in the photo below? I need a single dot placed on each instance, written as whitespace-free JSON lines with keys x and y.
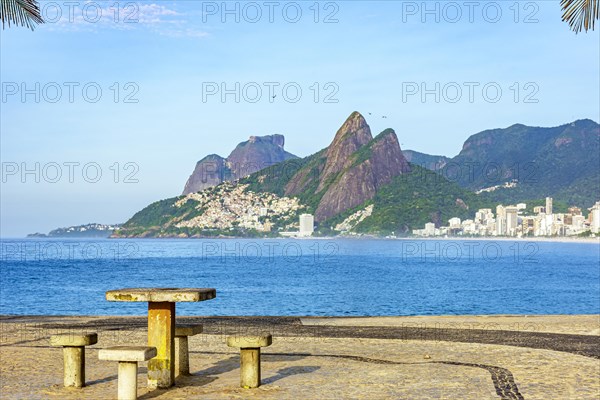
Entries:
{"x":511,"y":221}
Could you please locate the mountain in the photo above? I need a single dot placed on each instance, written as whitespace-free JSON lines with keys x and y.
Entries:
{"x":209,"y":172}
{"x":350,"y":170}
{"x":523,"y":162}
{"x":431,"y":162}
{"x":346,"y":174}
{"x":248,"y":157}
{"x":228,"y":209}
{"x":410,"y":201}
{"x":364,"y":184}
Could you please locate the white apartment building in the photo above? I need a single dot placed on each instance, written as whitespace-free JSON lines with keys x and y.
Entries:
{"x":429,"y":229}
{"x":548,"y":205}
{"x":595,"y":222}
{"x":307,"y":225}
{"x":511,"y":220}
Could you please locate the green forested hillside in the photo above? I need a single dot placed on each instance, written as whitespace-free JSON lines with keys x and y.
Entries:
{"x":561,"y":162}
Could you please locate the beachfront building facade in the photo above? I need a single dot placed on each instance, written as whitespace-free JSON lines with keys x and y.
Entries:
{"x":307,"y":225}
{"x":512,"y":221}
{"x":595,"y":218}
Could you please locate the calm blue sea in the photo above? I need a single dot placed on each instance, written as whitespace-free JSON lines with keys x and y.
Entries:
{"x":304,"y":277}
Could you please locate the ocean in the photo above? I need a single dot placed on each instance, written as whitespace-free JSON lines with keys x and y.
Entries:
{"x":334,"y":277}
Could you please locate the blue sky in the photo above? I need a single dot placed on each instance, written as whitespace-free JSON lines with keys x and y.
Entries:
{"x":369,"y":57}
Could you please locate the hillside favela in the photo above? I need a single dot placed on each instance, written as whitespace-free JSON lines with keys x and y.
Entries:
{"x":300,"y":200}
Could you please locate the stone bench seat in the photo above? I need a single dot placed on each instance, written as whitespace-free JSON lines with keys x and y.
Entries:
{"x":182,"y":357}
{"x":128,"y":358}
{"x":188,"y":330}
{"x":249,"y":341}
{"x":249,"y":357}
{"x":74,"y":356}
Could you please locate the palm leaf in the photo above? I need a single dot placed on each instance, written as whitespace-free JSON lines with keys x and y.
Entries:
{"x":21,"y":13}
{"x":580,"y":14}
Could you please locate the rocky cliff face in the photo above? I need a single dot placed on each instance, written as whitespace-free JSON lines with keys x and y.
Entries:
{"x":210,"y":171}
{"x":363,"y":172}
{"x":257,"y":153}
{"x":351,"y":169}
{"x":248,"y":157}
{"x":351,"y":136}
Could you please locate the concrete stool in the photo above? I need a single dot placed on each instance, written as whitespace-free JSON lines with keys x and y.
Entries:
{"x":249,"y":357}
{"x":182,"y":358}
{"x":128,"y":357}
{"x":74,"y":356}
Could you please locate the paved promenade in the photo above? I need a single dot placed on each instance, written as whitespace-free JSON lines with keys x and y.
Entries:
{"x":448,"y":357}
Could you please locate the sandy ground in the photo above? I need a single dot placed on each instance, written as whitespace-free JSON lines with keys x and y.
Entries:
{"x":577,"y":324}
{"x":315,"y":364}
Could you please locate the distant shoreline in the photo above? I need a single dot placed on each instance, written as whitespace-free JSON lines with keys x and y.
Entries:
{"x":589,"y":240}
{"x":595,"y":240}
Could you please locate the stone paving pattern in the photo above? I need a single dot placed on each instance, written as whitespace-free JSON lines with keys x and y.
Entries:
{"x":367,"y":358}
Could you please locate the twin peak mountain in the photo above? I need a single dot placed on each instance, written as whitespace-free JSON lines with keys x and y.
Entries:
{"x":342,"y":176}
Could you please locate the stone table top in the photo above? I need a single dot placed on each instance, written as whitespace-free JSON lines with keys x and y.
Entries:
{"x":74,"y":340}
{"x":172,"y":295}
{"x":127,"y":353}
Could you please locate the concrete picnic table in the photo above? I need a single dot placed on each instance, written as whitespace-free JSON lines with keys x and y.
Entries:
{"x":161,"y":324}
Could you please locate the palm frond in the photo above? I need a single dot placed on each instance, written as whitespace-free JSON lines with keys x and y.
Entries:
{"x":580,"y":14}
{"x":20,"y":13}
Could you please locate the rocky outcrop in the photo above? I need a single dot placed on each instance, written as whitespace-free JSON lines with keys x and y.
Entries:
{"x":351,"y":136}
{"x":350,"y":171}
{"x":387,"y":158}
{"x":256,"y":153}
{"x":351,"y":189}
{"x":210,"y":171}
{"x":373,"y":165}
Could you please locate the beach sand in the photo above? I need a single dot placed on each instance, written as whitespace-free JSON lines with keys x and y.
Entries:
{"x":446,"y":357}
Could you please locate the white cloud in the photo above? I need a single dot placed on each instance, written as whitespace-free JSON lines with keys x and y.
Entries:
{"x":94,"y":16}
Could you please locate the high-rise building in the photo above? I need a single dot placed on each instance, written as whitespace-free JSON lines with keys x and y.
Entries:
{"x":307,"y":225}
{"x":579,"y":222}
{"x":548,"y":205}
{"x":500,"y":220}
{"x":574,"y":210}
{"x":528,"y":225}
{"x":548,"y":227}
{"x":454,"y":223}
{"x":568,"y":219}
{"x":430,"y":229}
{"x":538,"y":209}
{"x":511,"y":220}
{"x":595,"y":218}
{"x":483,"y":215}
